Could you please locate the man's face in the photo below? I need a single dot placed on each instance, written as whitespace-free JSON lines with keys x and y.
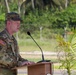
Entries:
{"x":13,"y":25}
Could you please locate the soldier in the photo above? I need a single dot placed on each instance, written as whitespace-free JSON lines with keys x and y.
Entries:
{"x":9,"y":54}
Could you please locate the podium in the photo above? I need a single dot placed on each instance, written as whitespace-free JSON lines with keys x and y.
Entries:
{"x":43,"y":68}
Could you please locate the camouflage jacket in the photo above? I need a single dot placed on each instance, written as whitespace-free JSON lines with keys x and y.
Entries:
{"x":9,"y":54}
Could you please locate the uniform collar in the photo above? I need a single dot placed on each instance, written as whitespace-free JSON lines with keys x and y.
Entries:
{"x":11,"y":37}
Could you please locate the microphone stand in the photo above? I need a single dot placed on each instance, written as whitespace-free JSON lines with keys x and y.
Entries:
{"x":39,"y":48}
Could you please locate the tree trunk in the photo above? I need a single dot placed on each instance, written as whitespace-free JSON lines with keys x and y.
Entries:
{"x":66,"y":3}
{"x":19,"y":4}
{"x":32,"y":1}
{"x":68,"y":71}
{"x":7,"y":6}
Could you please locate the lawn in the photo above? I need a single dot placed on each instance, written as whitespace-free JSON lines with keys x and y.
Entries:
{"x":29,"y":45}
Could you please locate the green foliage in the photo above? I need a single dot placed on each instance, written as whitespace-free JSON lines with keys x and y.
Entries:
{"x":35,"y":20}
{"x":72,"y":1}
{"x":50,"y":19}
{"x":2,"y":20}
{"x":2,"y":17}
{"x":66,"y":52}
{"x":71,"y":13}
{"x":37,"y":17}
{"x":13,"y":6}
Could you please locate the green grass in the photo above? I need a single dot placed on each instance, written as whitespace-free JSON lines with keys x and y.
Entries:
{"x":29,"y":45}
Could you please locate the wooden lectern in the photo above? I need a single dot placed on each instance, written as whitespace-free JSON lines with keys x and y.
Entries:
{"x":44,"y":68}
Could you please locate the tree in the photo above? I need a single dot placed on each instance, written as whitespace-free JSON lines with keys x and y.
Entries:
{"x":66,"y":52}
{"x":7,"y":5}
{"x":31,"y":5}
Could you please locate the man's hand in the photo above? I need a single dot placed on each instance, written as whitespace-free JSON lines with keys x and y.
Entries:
{"x":2,"y":43}
{"x":27,"y":63}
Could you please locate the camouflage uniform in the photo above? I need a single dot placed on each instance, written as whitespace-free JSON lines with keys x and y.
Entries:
{"x":9,"y":55}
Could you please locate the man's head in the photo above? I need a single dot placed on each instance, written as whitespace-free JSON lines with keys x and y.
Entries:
{"x":13,"y":16}
{"x":12,"y":22}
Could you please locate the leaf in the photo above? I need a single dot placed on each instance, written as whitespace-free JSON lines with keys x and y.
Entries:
{"x":2,"y":16}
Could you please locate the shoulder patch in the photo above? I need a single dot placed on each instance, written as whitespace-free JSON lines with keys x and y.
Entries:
{"x":2,"y":43}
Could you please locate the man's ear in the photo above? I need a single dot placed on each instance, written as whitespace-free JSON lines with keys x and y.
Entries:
{"x":8,"y":22}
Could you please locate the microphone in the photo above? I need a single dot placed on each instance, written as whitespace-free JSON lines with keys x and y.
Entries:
{"x":39,"y":48}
